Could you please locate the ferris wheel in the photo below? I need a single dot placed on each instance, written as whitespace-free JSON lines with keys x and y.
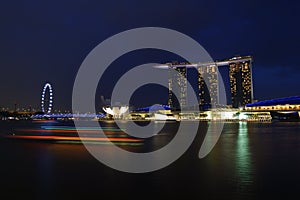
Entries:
{"x":47,"y":98}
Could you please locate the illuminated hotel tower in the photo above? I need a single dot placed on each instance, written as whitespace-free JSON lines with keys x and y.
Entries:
{"x":240,"y":74}
{"x":177,"y":85}
{"x":208,"y":75}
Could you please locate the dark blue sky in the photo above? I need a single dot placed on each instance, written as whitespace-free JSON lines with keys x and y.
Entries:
{"x":47,"y":40}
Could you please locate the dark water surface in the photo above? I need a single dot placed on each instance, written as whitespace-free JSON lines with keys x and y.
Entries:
{"x":250,"y":161}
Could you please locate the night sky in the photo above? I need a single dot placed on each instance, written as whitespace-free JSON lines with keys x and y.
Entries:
{"x":48,"y":40}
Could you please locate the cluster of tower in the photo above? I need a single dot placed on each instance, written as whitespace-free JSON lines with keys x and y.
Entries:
{"x":240,"y":76}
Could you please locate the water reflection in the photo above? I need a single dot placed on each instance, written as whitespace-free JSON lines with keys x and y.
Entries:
{"x":45,"y":173}
{"x":244,"y":168}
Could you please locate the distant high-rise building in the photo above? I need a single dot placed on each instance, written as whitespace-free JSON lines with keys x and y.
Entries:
{"x":177,"y":85}
{"x":240,"y":74}
{"x":208,"y":76}
{"x":201,"y":85}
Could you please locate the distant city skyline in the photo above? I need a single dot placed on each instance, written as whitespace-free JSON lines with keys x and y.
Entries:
{"x":240,"y":82}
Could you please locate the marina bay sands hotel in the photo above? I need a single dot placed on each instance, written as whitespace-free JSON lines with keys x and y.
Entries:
{"x":240,"y":77}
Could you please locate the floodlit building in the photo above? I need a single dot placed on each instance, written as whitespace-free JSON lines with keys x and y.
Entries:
{"x":177,"y":85}
{"x":208,"y":76}
{"x":116,"y":111}
{"x":240,"y":74}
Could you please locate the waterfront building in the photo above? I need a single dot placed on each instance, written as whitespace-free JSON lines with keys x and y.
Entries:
{"x":241,"y":88}
{"x":240,"y":75}
{"x":208,"y":76}
{"x":177,"y":85}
